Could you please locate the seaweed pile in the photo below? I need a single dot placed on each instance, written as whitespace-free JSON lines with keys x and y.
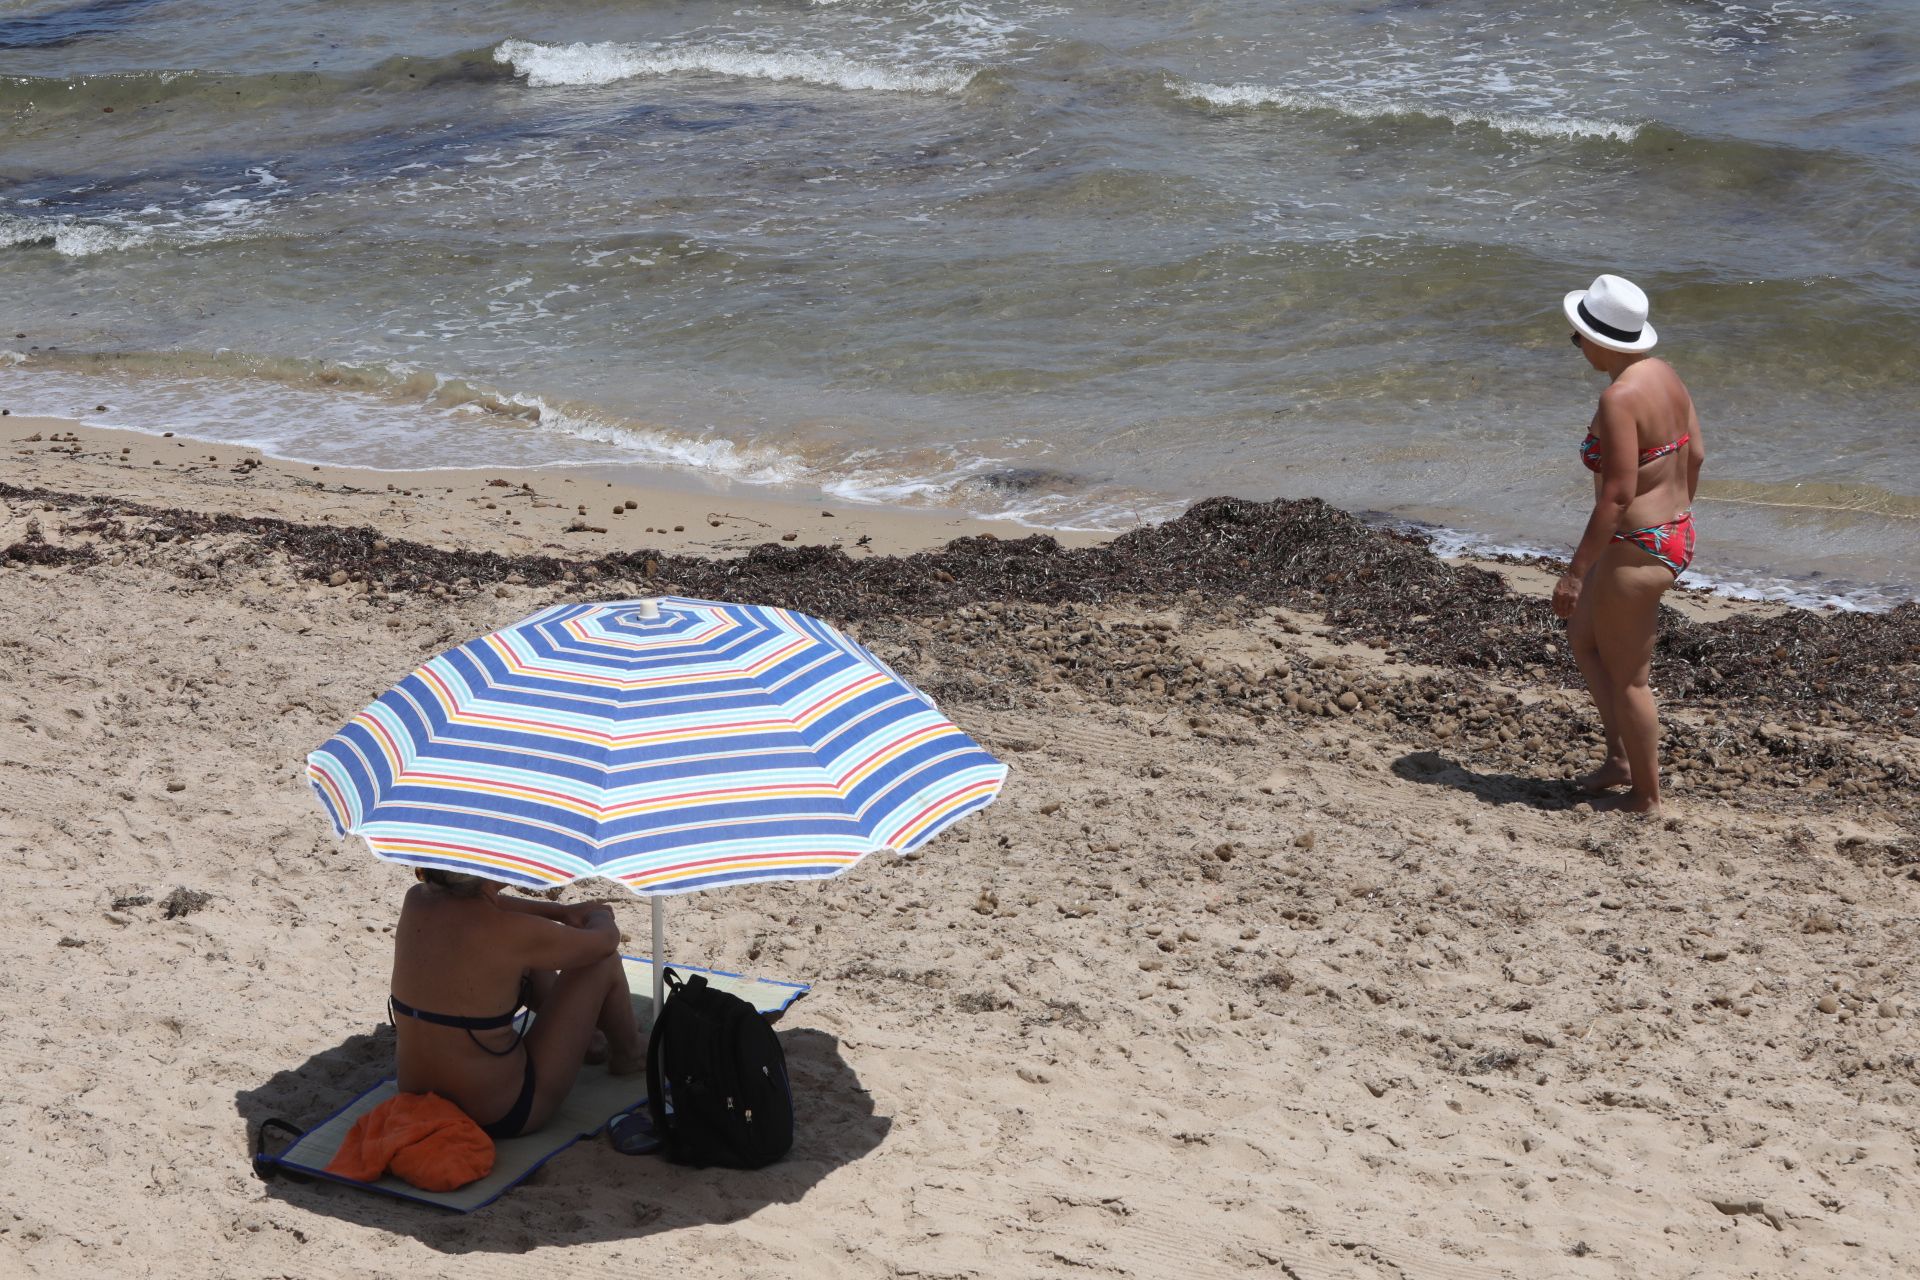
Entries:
{"x":1015,"y":653}
{"x":1222,"y":557}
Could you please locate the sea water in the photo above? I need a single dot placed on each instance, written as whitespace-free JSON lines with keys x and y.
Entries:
{"x":1073,"y":265}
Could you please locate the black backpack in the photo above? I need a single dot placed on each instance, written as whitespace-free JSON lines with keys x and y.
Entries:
{"x":713,"y":1057}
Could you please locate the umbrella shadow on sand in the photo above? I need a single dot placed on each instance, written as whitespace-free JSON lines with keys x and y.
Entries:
{"x":1434,"y":769}
{"x":589,"y":1193}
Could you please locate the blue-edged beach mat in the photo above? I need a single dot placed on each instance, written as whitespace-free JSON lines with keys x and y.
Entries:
{"x":597,"y":1098}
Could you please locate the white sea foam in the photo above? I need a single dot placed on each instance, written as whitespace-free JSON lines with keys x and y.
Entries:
{"x":1456,"y":544}
{"x":70,"y":238}
{"x":605,"y":63}
{"x":893,"y":479}
{"x":1362,"y":107}
{"x":710,"y":455}
{"x":198,"y":222}
{"x":383,"y":417}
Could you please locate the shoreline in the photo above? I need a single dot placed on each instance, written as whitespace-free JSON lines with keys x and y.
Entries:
{"x":669,"y":517}
{"x":385,"y":538}
{"x":1288,"y":901}
{"x":671,"y":511}
{"x":680,"y":502}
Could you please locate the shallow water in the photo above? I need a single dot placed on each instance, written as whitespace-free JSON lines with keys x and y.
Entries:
{"x":1071,"y":264}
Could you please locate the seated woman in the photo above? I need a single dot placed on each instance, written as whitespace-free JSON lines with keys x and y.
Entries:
{"x":465,"y":960}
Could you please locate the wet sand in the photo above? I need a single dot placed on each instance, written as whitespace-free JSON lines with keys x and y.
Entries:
{"x":1287,"y":951}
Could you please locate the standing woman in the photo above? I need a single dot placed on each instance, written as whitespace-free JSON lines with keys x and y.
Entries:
{"x":1644,"y":449}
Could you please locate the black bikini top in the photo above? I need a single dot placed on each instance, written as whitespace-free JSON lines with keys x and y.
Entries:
{"x":469,"y":1025}
{"x":396,"y":1005}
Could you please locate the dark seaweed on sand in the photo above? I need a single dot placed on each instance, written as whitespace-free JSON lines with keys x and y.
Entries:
{"x":1221,"y":557}
{"x":35,"y":549}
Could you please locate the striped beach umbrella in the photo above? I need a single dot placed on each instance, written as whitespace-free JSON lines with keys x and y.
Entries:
{"x":670,"y":744}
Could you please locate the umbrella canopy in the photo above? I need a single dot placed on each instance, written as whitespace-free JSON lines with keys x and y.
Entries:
{"x":669,"y":744}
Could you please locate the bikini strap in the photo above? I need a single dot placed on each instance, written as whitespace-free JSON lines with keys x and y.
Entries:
{"x":1662,"y":450}
{"x":396,"y":1005}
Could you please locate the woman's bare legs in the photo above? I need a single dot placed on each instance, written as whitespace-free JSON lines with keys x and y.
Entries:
{"x":539,"y":983}
{"x":1614,"y":771}
{"x":577,"y":1004}
{"x":1625,"y":590}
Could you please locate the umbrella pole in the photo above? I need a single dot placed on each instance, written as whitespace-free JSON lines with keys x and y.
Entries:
{"x":659,"y":954}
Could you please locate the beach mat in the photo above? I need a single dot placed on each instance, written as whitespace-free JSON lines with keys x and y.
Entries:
{"x":768,"y":995}
{"x":596,"y":1100}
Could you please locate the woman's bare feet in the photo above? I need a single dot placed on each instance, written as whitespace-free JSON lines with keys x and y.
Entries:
{"x":1632,"y":802}
{"x":1614,"y":773}
{"x":618,"y":1064}
{"x":628,"y":1062}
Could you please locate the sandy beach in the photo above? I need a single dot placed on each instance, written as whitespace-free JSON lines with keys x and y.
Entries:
{"x":1288,"y":951}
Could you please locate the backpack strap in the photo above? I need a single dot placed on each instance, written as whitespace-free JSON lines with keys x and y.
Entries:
{"x":656,"y":1044}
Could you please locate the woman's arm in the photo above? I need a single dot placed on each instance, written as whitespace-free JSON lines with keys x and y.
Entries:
{"x":543,"y":943}
{"x":532,"y":907}
{"x":573,"y":913}
{"x":1696,"y":452}
{"x":1619,"y":483}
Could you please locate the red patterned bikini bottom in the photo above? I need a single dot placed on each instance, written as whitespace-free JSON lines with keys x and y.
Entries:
{"x":1670,"y":543}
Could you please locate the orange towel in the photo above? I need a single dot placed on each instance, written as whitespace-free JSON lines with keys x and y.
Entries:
{"x":423,"y":1138}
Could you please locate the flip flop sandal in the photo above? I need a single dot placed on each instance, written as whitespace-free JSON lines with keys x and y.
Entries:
{"x":632,"y":1134}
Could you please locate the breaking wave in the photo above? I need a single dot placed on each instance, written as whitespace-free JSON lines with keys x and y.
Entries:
{"x":1360,"y":107}
{"x":226,"y":216}
{"x":546,"y":65}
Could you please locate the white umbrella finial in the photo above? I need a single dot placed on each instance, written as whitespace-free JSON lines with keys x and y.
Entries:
{"x":649,"y":610}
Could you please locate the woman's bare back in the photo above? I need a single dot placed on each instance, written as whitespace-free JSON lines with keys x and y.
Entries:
{"x":1662,"y":411}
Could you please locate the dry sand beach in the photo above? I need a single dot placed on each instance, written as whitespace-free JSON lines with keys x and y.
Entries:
{"x":1284,"y":953}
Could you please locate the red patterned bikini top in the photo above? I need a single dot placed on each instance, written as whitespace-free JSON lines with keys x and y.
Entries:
{"x":1590,"y":450}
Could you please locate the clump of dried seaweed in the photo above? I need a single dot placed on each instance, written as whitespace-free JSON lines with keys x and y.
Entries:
{"x":35,"y":549}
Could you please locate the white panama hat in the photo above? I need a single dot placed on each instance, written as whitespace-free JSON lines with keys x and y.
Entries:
{"x":1612,"y":313}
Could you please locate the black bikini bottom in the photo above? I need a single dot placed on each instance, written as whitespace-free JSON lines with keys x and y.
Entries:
{"x":510,"y":1124}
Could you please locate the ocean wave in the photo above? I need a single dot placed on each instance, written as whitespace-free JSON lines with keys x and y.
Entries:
{"x":390,"y":416}
{"x":378,"y":415}
{"x":140,"y":91}
{"x":546,"y":65}
{"x":223,"y":216}
{"x":67,"y":237}
{"x":1361,"y":107}
{"x":65,"y":26}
